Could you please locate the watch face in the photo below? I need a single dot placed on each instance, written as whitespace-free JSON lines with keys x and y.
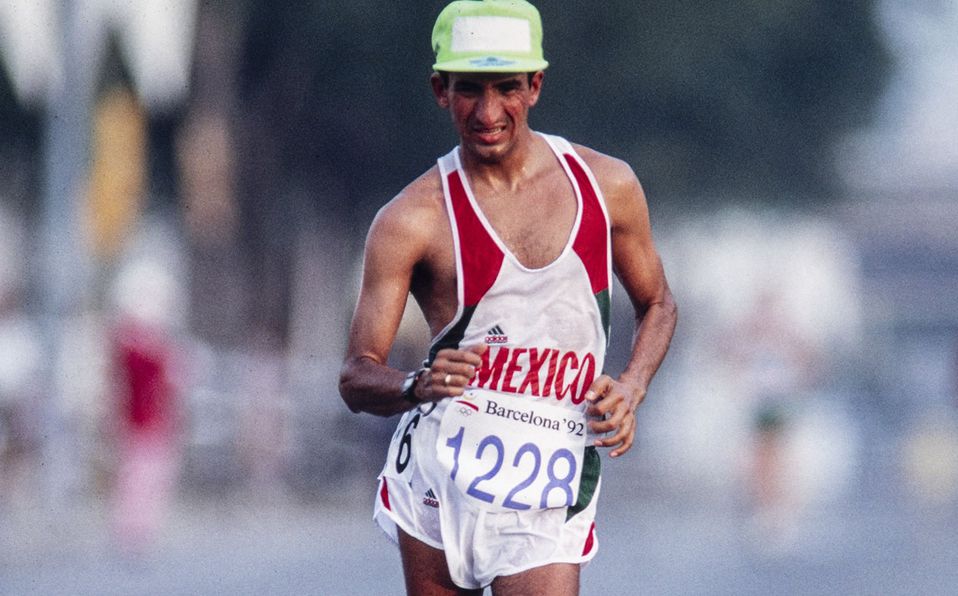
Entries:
{"x":409,"y":386}
{"x":409,"y":383}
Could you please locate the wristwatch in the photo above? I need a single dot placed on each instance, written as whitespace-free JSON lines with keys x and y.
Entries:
{"x":409,"y":385}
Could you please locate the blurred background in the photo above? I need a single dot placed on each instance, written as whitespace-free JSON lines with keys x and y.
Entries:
{"x":185,"y":188}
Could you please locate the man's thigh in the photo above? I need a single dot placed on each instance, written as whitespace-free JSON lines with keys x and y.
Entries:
{"x":557,"y":579}
{"x":426,"y":571}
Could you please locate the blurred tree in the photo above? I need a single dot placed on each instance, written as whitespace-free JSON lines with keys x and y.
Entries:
{"x":721,"y":98}
{"x":705,"y":99}
{"x":20,"y":130}
{"x":332,"y":120}
{"x":340,"y":92}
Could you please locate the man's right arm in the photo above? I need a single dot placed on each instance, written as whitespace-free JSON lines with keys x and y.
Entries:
{"x":398,"y":241}
{"x":394,"y":245}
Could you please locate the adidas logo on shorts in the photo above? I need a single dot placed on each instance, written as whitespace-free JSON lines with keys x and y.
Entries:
{"x":496,"y":336}
{"x":430,"y":499}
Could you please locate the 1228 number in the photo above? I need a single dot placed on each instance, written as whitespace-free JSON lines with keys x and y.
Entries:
{"x":526,"y":452}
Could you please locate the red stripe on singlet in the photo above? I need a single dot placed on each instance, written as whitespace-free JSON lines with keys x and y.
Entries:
{"x":592,"y":241}
{"x":481,"y":257}
{"x":589,"y":541}
{"x":384,"y":495}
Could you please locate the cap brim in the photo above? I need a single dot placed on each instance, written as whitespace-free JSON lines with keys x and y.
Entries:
{"x":491,"y":64}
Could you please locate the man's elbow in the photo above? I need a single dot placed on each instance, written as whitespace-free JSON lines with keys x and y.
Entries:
{"x":670,"y":312}
{"x":664,"y":308}
{"x":347,"y":387}
{"x":671,"y":306}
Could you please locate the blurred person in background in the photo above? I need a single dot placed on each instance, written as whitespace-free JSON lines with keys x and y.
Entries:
{"x":776,"y":367}
{"x":508,"y":246}
{"x":147,"y":403}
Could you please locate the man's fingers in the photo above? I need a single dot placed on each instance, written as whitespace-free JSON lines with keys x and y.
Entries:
{"x":622,"y":440}
{"x":470,"y":355}
{"x":452,"y":369}
{"x":606,"y":403}
{"x":456,"y":379}
{"x":625,"y":430}
{"x":456,"y":369}
{"x":599,"y":388}
{"x":456,"y":361}
{"x":627,"y":440}
{"x":441,"y":379}
{"x":477,"y":349}
{"x":612,"y":422}
{"x":600,"y":427}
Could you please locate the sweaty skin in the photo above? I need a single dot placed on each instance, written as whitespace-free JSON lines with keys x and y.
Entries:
{"x":530,"y":203}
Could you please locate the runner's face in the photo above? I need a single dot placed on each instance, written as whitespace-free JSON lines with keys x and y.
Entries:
{"x":490,"y":110}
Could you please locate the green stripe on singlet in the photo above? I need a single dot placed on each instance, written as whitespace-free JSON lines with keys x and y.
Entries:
{"x":591,"y":468}
{"x":603,"y":300}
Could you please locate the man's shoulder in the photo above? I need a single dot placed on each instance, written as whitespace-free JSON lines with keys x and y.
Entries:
{"x":415,"y":207}
{"x":605,"y":167}
{"x":423,"y":193}
{"x":615,"y":176}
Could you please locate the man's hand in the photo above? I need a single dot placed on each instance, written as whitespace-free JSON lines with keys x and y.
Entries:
{"x":450,"y":372}
{"x":613,"y":404}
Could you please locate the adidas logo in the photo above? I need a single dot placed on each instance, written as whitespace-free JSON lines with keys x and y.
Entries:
{"x":496,"y":336}
{"x":430,"y":499}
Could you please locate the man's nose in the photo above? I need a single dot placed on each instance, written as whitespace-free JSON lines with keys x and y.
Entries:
{"x":488,"y":109}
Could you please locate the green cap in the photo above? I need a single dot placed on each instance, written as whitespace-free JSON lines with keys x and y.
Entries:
{"x":488,"y":36}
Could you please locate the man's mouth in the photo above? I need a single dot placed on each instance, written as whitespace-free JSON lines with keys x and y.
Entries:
{"x":488,"y":135}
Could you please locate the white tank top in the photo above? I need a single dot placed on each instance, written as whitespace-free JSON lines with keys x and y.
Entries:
{"x":518,"y":438}
{"x":546,"y":328}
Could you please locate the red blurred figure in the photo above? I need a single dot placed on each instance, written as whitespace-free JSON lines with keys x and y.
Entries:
{"x":148,"y":452}
{"x":143,"y":355}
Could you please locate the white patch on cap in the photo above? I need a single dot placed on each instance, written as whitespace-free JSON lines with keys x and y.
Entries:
{"x":491,"y":34}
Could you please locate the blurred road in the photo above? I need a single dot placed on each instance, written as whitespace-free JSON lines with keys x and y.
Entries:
{"x":650,"y":544}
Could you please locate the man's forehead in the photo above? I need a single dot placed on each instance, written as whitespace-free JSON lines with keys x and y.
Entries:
{"x":487,"y":77}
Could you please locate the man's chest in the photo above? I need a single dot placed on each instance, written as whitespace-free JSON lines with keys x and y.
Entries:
{"x":534,"y":225}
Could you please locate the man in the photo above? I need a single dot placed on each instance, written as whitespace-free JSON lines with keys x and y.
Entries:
{"x":508,"y":246}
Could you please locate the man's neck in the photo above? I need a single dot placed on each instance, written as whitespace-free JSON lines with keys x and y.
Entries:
{"x":510,"y":170}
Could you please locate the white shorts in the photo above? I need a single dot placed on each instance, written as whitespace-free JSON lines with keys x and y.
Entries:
{"x":480,"y":544}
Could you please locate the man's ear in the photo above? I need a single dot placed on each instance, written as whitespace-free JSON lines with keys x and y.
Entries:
{"x":439,"y":90}
{"x":535,"y":86}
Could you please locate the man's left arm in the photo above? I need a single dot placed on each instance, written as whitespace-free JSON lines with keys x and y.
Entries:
{"x":637,"y":265}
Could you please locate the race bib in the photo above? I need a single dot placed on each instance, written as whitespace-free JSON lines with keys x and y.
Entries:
{"x":505,"y":452}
